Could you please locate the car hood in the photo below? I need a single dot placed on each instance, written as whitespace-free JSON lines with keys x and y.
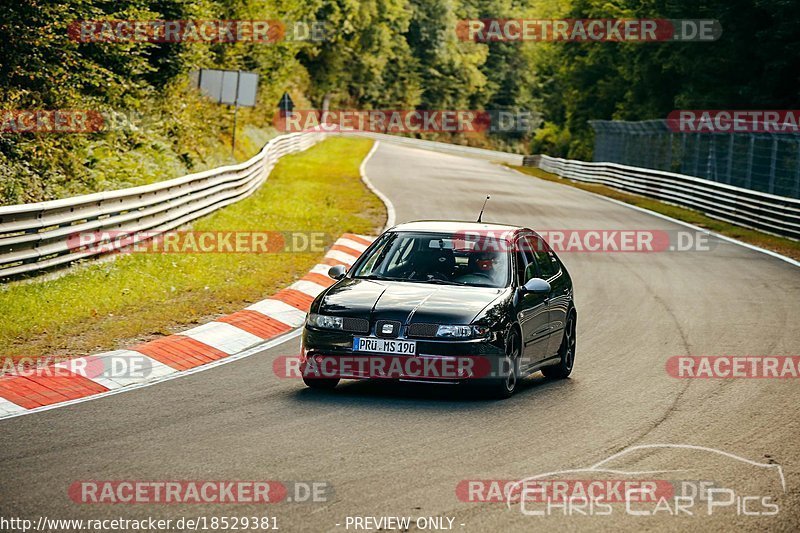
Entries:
{"x":407,"y":302}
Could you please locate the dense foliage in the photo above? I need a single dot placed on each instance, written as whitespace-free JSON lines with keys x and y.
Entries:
{"x":754,"y":65}
{"x":391,"y":54}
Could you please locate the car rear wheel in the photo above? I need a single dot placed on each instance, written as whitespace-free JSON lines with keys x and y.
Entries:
{"x":506,"y":385}
{"x":566,"y":352}
{"x":321,"y":383}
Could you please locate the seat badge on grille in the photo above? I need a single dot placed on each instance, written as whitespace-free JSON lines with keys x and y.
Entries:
{"x":387,"y":329}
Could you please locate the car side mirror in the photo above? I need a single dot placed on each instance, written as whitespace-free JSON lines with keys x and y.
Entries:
{"x":337,"y":272}
{"x":536,"y":286}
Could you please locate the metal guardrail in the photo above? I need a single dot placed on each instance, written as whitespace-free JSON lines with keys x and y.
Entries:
{"x":779,"y":215}
{"x":39,"y":236}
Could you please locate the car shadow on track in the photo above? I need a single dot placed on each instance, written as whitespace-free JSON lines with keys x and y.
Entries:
{"x":372,"y":392}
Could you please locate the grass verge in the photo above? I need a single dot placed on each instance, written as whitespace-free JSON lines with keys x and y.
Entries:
{"x":783,"y":246}
{"x":135,"y":297}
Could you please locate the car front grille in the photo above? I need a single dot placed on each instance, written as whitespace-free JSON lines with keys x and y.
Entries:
{"x":422,"y":330}
{"x":355,"y":325}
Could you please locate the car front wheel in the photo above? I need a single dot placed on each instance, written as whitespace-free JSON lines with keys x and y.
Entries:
{"x":505,"y":386}
{"x":566,"y":352}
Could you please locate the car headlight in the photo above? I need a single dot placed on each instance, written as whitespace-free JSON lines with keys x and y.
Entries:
{"x":462,"y":332}
{"x":324,"y":321}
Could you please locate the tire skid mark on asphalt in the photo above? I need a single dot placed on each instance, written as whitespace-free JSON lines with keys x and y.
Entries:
{"x":654,"y":296}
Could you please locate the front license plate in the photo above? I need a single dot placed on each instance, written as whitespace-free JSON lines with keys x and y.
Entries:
{"x":376,"y":345}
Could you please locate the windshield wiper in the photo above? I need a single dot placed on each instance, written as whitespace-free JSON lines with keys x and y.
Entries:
{"x":376,"y":277}
{"x":444,"y":282}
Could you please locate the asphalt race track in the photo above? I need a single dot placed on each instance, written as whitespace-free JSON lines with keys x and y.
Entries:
{"x":402,"y":450}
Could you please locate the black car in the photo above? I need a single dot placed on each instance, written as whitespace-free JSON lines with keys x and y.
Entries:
{"x":445,"y":302}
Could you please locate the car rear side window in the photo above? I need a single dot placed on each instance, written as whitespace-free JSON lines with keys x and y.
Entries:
{"x":526,"y":264}
{"x":545,"y":258}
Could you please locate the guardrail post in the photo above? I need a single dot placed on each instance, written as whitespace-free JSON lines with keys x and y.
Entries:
{"x":696,"y":155}
{"x":683,"y":158}
{"x":749,"y":176}
{"x":773,"y":164}
{"x":668,"y":165}
{"x":711,"y":161}
{"x":730,"y":158}
{"x":796,"y":188}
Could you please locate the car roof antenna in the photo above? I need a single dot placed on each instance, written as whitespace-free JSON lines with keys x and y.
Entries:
{"x":484,"y":207}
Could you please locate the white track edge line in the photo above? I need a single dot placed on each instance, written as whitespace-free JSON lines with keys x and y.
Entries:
{"x":656,"y":214}
{"x":267,"y":344}
{"x":390,"y":213}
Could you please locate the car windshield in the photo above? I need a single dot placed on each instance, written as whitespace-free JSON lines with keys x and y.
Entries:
{"x":437,"y":258}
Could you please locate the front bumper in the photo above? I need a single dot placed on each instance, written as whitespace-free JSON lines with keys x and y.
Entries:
{"x":330,"y":354}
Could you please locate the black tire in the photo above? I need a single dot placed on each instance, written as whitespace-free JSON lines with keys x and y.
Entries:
{"x":566,"y":351}
{"x":321,"y":383}
{"x":505,"y":386}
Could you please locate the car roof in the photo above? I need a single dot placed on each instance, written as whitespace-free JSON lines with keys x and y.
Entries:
{"x":453,"y":226}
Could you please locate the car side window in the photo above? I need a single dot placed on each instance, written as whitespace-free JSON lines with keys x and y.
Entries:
{"x":521,"y":266}
{"x":531,"y":271}
{"x":548,"y":264}
{"x":526,"y":264}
